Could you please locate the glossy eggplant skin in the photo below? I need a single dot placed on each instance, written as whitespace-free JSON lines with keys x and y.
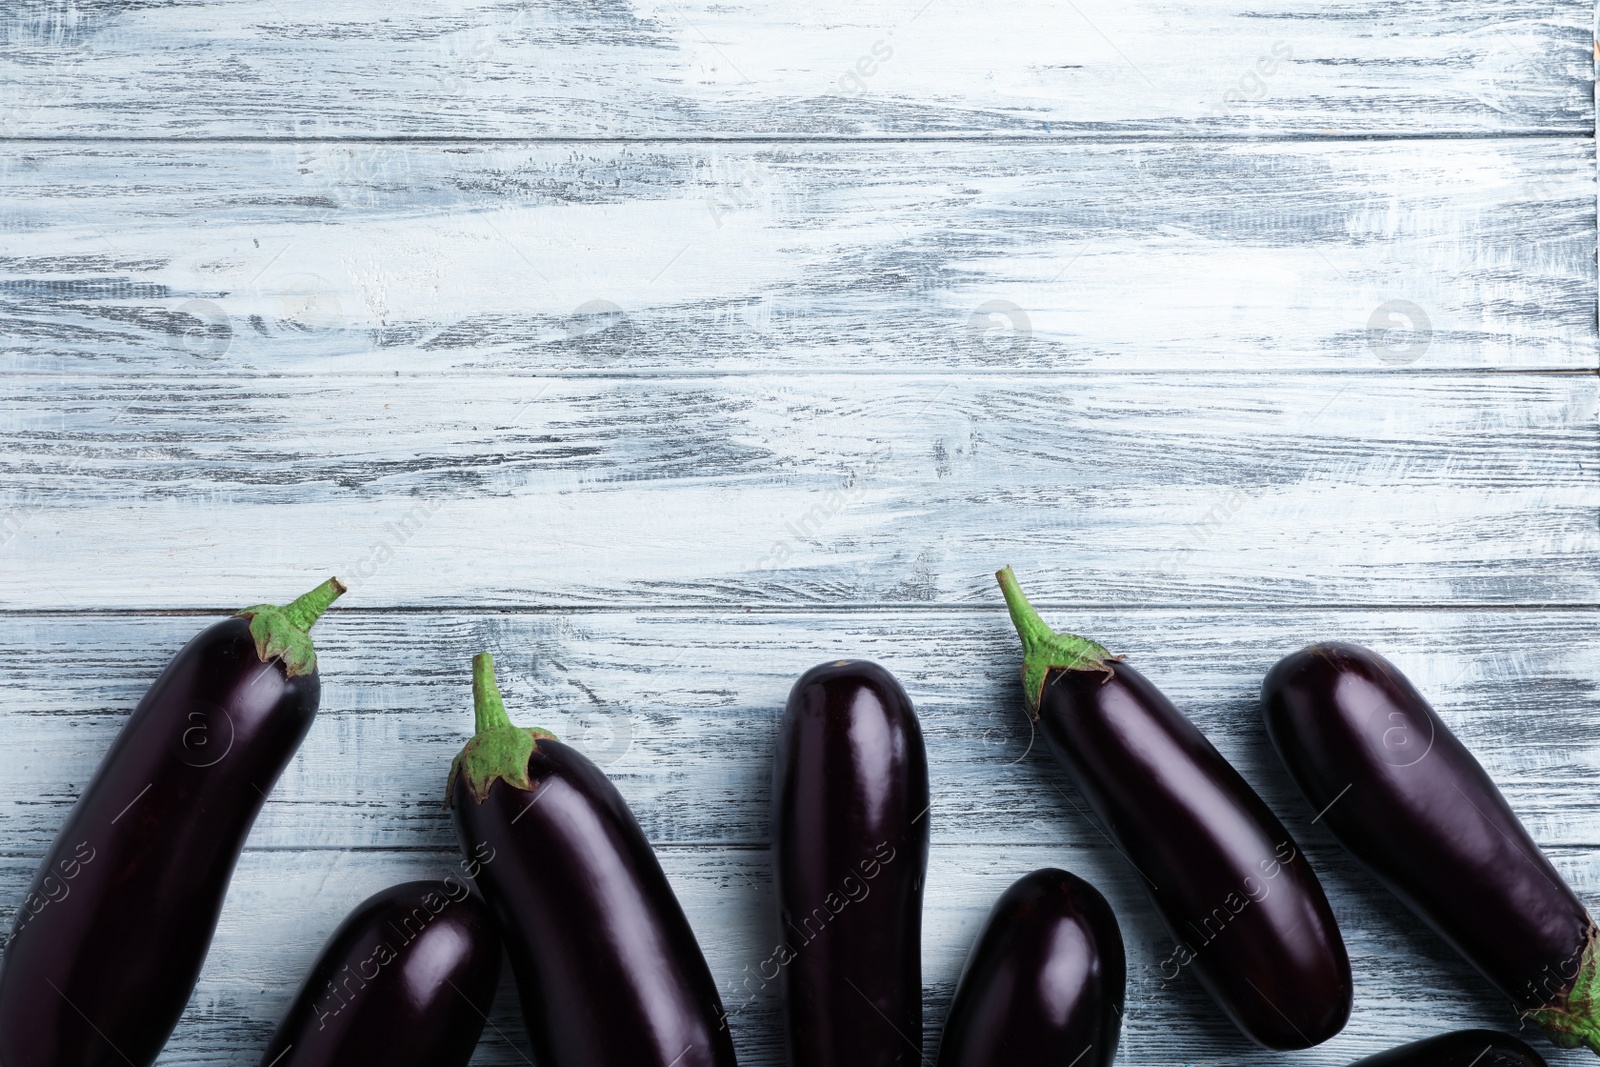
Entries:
{"x":1044,"y":983}
{"x":110,"y":940}
{"x":1233,"y":888}
{"x":1410,"y":802}
{"x":1463,"y":1048}
{"x":406,"y":980}
{"x":850,"y":828}
{"x":607,"y":966}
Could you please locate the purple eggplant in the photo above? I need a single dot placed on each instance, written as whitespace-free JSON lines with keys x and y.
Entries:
{"x":607,"y":967}
{"x":850,"y":829}
{"x":111,"y":937}
{"x":1406,"y":798}
{"x":407,"y":979}
{"x":1043,"y":986}
{"x":1463,"y":1048}
{"x":1234,"y":890}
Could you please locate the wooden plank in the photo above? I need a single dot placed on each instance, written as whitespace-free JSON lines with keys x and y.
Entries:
{"x":821,"y":489}
{"x":681,"y":708}
{"x":282,"y":906}
{"x":679,"y":68}
{"x":350,"y":258}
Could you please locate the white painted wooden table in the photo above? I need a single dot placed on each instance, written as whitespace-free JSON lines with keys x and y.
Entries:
{"x":668,"y":348}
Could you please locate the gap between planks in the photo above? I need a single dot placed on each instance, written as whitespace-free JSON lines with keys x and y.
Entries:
{"x":963,"y":374}
{"x":865,"y":608}
{"x":1064,"y":139}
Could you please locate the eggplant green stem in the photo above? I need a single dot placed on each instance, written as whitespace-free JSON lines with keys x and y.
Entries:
{"x":307,"y":608}
{"x":498,"y":749}
{"x":1575,"y":1022}
{"x":1044,"y":650}
{"x":284,"y":633}
{"x":488,"y":709}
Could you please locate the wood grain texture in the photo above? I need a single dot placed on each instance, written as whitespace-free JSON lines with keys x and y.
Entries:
{"x":584,"y":258}
{"x":751,"y":68}
{"x":820,"y":489}
{"x":681,"y":709}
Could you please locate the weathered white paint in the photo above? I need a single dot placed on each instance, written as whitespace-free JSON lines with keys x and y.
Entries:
{"x":589,"y":396}
{"x":814,"y":489}
{"x":712,"y":68}
{"x":616,"y":259}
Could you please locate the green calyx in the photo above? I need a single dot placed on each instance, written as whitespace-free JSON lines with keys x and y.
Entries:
{"x":498,"y":749}
{"x":1044,"y":650}
{"x":284,"y":633}
{"x":1575,"y":1021}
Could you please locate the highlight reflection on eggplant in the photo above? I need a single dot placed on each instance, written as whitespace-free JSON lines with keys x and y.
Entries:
{"x":1043,"y":985}
{"x":850,"y":830}
{"x":111,"y":937}
{"x":1410,"y":802}
{"x":607,"y":967}
{"x":1231,"y":885}
{"x":1463,"y":1048}
{"x":407,"y":978}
